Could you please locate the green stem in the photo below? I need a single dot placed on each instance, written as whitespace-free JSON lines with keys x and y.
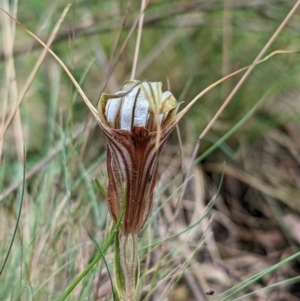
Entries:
{"x":126,"y":265}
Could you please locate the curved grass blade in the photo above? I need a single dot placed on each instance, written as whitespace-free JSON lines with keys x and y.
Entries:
{"x":233,"y":129}
{"x":268,"y":288}
{"x":212,"y":202}
{"x":246,"y":283}
{"x":94,"y":111}
{"x":31,"y":76}
{"x":19,"y":215}
{"x":29,"y":289}
{"x":101,"y":188}
{"x":105,"y":262}
{"x":100,"y":254}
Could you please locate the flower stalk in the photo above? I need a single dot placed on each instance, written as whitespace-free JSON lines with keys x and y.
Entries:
{"x":136,"y":122}
{"x":126,"y":265}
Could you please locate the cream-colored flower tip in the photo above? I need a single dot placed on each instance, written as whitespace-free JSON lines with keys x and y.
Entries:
{"x":139,"y":104}
{"x":131,"y":109}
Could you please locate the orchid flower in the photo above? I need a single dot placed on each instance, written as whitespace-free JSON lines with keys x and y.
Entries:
{"x":136,"y":122}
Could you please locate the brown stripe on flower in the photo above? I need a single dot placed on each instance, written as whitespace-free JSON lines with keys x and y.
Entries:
{"x":137,"y":122}
{"x":130,"y":161}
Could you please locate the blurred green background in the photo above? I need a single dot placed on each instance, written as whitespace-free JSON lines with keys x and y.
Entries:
{"x":187,"y":45}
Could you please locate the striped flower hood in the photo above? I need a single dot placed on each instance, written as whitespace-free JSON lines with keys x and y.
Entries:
{"x":136,"y":122}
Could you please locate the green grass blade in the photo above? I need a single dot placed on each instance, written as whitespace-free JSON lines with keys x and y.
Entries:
{"x":18,"y":218}
{"x":246,"y":283}
{"x":195,"y":223}
{"x":234,"y":128}
{"x":105,"y":262}
{"x":282,"y":283}
{"x":99,"y":255}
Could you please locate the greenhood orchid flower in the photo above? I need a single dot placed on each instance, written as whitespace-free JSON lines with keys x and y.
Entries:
{"x":136,"y":122}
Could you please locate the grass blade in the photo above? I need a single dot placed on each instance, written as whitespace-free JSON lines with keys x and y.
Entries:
{"x":18,"y":218}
